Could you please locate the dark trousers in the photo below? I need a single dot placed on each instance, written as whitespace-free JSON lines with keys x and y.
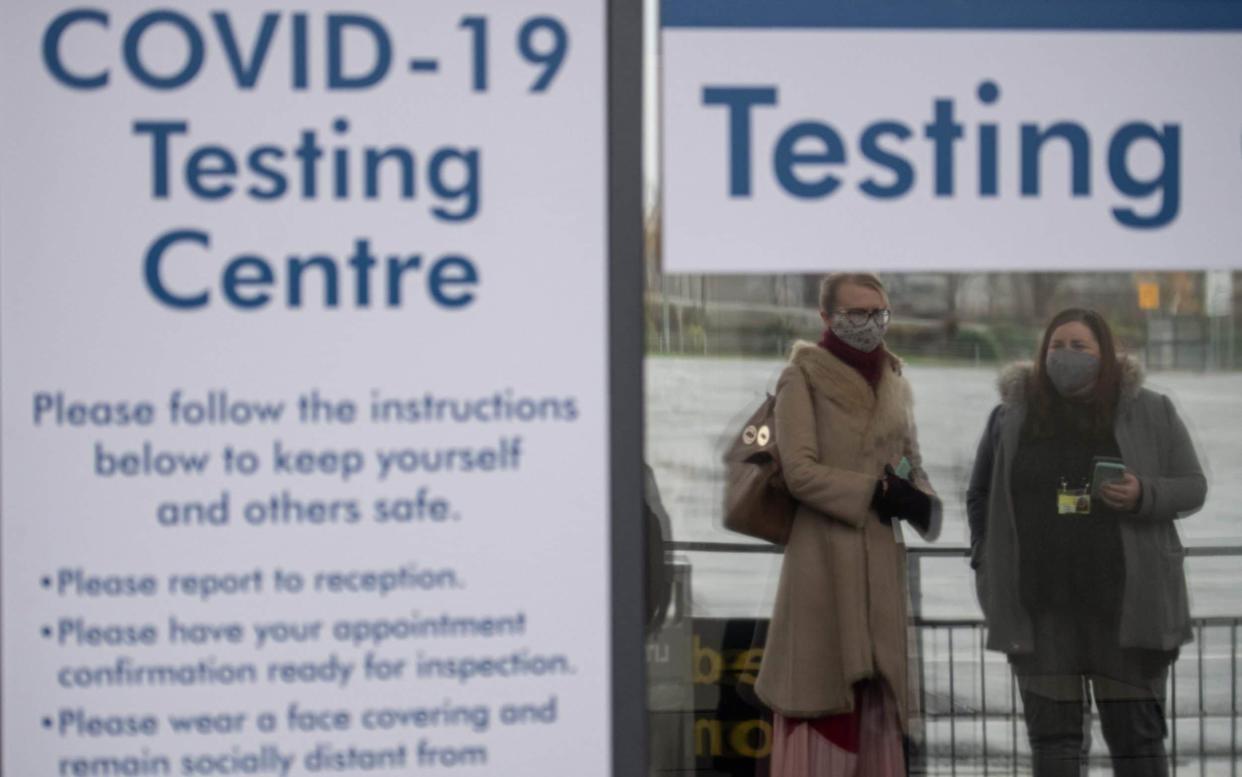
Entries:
{"x":1060,"y":734}
{"x":1077,"y":659}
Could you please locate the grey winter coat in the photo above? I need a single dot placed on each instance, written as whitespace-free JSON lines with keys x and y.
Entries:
{"x":1155,"y":445}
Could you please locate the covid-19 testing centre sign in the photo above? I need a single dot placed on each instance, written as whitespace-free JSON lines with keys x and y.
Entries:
{"x":806,"y":135}
{"x":310,"y":462}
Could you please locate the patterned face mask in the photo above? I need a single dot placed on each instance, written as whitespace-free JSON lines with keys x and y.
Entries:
{"x":865,"y":337}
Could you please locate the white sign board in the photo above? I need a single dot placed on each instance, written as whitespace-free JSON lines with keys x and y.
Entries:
{"x":305,"y":445}
{"x":1218,"y":294}
{"x":805,"y":136}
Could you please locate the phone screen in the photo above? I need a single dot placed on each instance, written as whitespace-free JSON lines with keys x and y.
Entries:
{"x":1106,"y":472}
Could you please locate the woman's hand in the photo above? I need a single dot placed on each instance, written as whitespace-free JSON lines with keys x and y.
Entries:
{"x":1122,"y":495}
{"x":897,"y":497}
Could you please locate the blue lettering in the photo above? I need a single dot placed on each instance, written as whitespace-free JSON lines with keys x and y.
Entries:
{"x":375,"y":156}
{"x":989,"y":173}
{"x":943,"y":132}
{"x":787,"y":156}
{"x":452,"y":271}
{"x":153,"y":264}
{"x":308,"y":153}
{"x":1167,"y":182}
{"x":884,"y":143}
{"x":326,"y":266}
{"x":194,"y":54}
{"x":208,"y":161}
{"x":362,"y":261}
{"x":337,"y":24}
{"x":248,"y":280}
{"x":396,"y":268}
{"x":301,"y":67}
{"x":903,"y":171}
{"x":246,"y":75}
{"x":468,"y":189}
{"x":340,"y":162}
{"x":160,"y":132}
{"x":739,"y":101}
{"x":260,"y":168}
{"x":51,"y":49}
{"x":246,"y":271}
{"x":1080,"y":156}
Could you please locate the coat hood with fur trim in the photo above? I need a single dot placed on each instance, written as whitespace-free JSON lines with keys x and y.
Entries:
{"x":1015,"y":380}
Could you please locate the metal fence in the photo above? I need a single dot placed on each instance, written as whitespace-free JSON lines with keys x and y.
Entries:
{"x":971,"y":708}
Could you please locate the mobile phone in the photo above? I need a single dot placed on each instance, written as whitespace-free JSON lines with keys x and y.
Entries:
{"x":1106,"y":469}
{"x":903,"y":469}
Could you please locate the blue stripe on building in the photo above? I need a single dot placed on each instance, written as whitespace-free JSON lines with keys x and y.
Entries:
{"x":1117,"y":15}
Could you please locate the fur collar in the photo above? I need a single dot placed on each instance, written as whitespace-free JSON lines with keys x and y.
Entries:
{"x":1015,"y":379}
{"x":832,"y":377}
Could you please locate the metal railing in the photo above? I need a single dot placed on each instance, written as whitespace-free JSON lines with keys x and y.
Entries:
{"x":970,"y":702}
{"x":971,"y":708}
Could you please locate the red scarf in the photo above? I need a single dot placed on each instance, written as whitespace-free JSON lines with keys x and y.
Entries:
{"x":869,"y":365}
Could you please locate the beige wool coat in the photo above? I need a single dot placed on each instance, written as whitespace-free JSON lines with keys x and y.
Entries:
{"x":841,"y":606}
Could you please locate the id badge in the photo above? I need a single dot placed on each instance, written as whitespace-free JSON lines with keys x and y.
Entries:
{"x":1073,"y":501}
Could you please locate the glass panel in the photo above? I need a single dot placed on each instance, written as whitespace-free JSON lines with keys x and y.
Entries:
{"x":716,"y":345}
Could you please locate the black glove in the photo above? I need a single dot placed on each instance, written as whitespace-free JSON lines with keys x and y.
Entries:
{"x":897,"y":497}
{"x":879,"y":501}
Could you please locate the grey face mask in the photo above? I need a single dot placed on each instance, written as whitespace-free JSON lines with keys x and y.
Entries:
{"x":1072,"y":372}
{"x":865,"y":337}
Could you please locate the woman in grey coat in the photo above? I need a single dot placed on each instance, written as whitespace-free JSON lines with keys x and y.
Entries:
{"x":1079,"y":478}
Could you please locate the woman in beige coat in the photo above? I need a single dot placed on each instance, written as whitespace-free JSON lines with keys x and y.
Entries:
{"x":835,"y":665}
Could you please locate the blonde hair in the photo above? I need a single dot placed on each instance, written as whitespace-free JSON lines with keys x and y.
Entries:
{"x":829,"y":286}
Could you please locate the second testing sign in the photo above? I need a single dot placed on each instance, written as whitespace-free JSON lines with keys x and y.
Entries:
{"x":807,"y":136}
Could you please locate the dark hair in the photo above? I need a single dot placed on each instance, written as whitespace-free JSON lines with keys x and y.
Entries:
{"x":1102,"y":404}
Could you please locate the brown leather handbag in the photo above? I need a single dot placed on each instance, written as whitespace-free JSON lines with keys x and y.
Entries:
{"x":757,"y":503}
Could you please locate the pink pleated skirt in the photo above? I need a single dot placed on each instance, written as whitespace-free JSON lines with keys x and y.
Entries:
{"x":800,"y":750}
